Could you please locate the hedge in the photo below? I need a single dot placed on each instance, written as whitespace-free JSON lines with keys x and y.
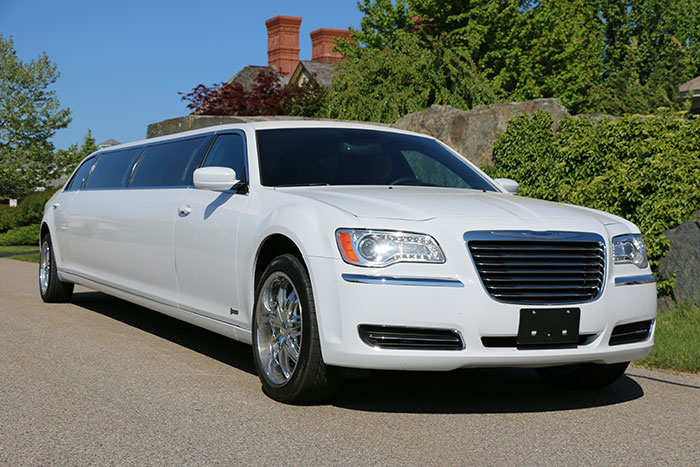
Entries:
{"x":27,"y":235}
{"x":643,"y":168}
{"x":29,"y":211}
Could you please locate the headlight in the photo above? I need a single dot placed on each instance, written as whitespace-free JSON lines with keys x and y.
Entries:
{"x":379,"y":248}
{"x":630,"y":249}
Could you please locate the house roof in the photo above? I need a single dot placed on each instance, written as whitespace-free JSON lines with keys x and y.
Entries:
{"x":691,"y":85}
{"x":108,"y":142}
{"x":321,"y":71}
{"x":247,"y":75}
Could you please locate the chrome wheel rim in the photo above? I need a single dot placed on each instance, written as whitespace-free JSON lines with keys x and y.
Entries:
{"x":44,"y":267}
{"x":279,"y":325}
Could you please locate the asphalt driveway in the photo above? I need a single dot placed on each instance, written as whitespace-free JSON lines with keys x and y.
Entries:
{"x":102,"y":381}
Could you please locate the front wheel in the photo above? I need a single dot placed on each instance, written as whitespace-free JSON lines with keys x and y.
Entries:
{"x":583,"y":375}
{"x":286,"y":346}
{"x":52,"y":289}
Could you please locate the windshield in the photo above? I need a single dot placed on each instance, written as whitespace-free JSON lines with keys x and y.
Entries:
{"x":339,"y":156}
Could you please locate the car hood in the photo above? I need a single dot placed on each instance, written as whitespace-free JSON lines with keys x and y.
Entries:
{"x":425,"y":203}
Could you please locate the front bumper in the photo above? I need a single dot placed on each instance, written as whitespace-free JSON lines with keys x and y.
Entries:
{"x":436,"y":300}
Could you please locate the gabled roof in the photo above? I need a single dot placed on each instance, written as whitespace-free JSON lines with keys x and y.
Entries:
{"x":247,"y":75}
{"x":691,"y":85}
{"x":108,"y":142}
{"x":322,"y":72}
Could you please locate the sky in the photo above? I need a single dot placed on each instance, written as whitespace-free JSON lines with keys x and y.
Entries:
{"x":123,"y":62}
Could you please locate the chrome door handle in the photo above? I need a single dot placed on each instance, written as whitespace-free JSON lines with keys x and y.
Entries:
{"x":184,"y":210}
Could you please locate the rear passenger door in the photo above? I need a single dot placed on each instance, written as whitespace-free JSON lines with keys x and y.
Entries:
{"x":123,"y":220}
{"x":61,"y":211}
{"x":205,"y":237}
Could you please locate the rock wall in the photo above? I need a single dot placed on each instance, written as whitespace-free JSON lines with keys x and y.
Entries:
{"x":195,"y":122}
{"x":474,"y":132}
{"x":683,"y":259}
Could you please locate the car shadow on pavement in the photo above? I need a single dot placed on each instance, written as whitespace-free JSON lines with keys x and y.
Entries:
{"x":200,"y":340}
{"x":477,"y":390}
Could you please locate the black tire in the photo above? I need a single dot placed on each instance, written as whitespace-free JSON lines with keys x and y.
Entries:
{"x":310,"y":379}
{"x":583,"y":375}
{"x":51,"y":288}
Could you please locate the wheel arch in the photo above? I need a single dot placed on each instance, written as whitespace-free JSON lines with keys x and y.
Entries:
{"x":44,"y":230}
{"x":272,"y":246}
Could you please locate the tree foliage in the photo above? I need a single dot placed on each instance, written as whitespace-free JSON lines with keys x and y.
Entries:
{"x":611,"y":56}
{"x":66,"y":160}
{"x":651,"y":47}
{"x":30,"y":114}
{"x":393,"y":66}
{"x":385,"y":84}
{"x":645,"y":169}
{"x":266,"y":96}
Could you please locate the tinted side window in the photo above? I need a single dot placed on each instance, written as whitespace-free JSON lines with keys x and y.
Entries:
{"x":80,"y":175}
{"x":170,"y":164}
{"x":228,"y":151}
{"x":113,"y":169}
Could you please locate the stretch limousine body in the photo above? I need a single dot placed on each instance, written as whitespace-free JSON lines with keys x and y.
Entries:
{"x":330,"y":245}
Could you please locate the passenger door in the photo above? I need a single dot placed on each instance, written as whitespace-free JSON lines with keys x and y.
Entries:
{"x":61,"y":212}
{"x":205,"y":238}
{"x":123,"y":221}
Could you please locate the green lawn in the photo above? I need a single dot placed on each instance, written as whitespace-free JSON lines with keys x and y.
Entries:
{"x":677,"y":340}
{"x":18,"y":249}
{"x":32,"y":258}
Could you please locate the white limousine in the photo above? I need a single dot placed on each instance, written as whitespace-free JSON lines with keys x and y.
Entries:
{"x":337,"y":245}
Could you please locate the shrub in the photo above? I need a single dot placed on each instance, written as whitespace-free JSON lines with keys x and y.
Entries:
{"x":31,"y":209}
{"x":7,"y":218}
{"x":643,"y":168}
{"x":27,"y":235}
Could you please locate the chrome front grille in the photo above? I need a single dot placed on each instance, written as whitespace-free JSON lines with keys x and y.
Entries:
{"x":549,"y":267}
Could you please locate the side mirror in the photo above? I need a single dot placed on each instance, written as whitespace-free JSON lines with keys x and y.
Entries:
{"x":215,"y":178}
{"x":511,"y":186}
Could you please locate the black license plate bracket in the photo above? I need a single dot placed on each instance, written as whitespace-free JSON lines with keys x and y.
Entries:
{"x":548,"y":327}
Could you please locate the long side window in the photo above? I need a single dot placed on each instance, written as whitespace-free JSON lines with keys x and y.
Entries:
{"x":113,"y":169}
{"x":170,"y":164}
{"x":229,"y":151}
{"x":76,"y":183}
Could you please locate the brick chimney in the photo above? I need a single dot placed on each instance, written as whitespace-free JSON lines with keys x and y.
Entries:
{"x":283,"y":43}
{"x":322,"y":44}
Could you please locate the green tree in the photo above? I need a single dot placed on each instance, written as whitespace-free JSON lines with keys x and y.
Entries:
{"x":66,"y":160}
{"x":651,"y":47}
{"x":30,"y":114}
{"x":393,"y":67}
{"x":611,"y":56}
{"x":528,"y":49}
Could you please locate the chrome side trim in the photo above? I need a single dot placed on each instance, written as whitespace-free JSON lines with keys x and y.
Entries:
{"x":391,"y":280}
{"x":634,"y":280}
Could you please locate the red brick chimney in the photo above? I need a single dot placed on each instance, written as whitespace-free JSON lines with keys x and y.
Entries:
{"x":322,"y":44}
{"x":283,"y":43}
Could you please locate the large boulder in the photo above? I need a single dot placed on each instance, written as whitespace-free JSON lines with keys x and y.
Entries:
{"x":683,"y":259}
{"x":473,"y":133}
{"x":195,"y":122}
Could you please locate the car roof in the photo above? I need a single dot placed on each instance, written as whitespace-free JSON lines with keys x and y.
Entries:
{"x":268,"y":124}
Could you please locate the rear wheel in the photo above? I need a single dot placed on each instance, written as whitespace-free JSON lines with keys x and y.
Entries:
{"x":583,"y":375}
{"x":286,"y":346}
{"x":52,"y":289}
